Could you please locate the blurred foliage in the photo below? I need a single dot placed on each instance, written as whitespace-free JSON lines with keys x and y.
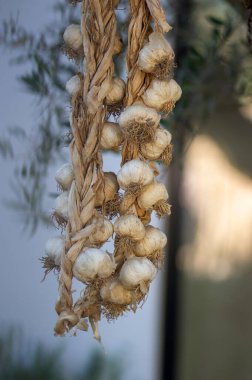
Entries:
{"x":20,"y":360}
{"x":216,"y":67}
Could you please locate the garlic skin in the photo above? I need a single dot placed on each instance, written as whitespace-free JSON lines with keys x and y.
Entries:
{"x":154,"y":240}
{"x":73,"y":37}
{"x":129,"y":226}
{"x":116,"y":91}
{"x":136,"y":119}
{"x":102,"y":233}
{"x":73,"y":85}
{"x":154,"y":149}
{"x":92,"y":263}
{"x":61,"y":205}
{"x":162,"y":95}
{"x":114,"y":292}
{"x":54,"y":248}
{"x":152,"y":194}
{"x":135,"y":172}
{"x":136,"y":271}
{"x":111,"y":137}
{"x":64,"y":176}
{"x":156,"y":56}
{"x":107,"y":191}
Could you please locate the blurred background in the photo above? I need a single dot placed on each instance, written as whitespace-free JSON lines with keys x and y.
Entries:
{"x":196,"y":321}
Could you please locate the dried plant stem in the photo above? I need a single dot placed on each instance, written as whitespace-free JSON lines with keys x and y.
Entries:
{"x":98,"y":30}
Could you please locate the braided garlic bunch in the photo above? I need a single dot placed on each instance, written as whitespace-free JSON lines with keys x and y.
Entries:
{"x":94,"y":206}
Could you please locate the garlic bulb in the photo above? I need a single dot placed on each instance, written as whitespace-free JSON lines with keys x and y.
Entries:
{"x":129,"y":226}
{"x":137,"y":270}
{"x":153,"y":150}
{"x":54,"y":248}
{"x":151,"y":194}
{"x":116,"y":92}
{"x":72,"y":37}
{"x":118,"y":44}
{"x":154,"y":196}
{"x":135,"y":172}
{"x":114,"y":292}
{"x":92,"y":263}
{"x":139,"y":122}
{"x":153,"y":241}
{"x":73,"y":85}
{"x":111,"y":137}
{"x":64,"y":176}
{"x":102,"y":233}
{"x":162,"y":95}
{"x":107,"y":191}
{"x":157,"y":57}
{"x":61,"y":205}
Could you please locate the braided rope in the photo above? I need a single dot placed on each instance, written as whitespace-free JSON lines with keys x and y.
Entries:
{"x":88,"y":115}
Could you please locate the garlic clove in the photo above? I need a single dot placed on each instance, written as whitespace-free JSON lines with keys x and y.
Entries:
{"x":114,"y":292}
{"x":73,"y":37}
{"x":139,"y":123}
{"x":134,"y":172}
{"x":64,"y":176}
{"x":73,"y":85}
{"x":61,"y":205}
{"x":111,"y":137}
{"x":102,"y":233}
{"x":153,"y":150}
{"x":153,"y":241}
{"x":157,"y":57}
{"x":129,"y":226}
{"x":93,"y":263}
{"x":107,"y":191}
{"x":136,"y":271}
{"x":162,"y":95}
{"x":55,"y":248}
{"x":116,"y":91}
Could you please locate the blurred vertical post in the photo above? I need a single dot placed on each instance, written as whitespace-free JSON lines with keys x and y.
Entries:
{"x":170,"y":315}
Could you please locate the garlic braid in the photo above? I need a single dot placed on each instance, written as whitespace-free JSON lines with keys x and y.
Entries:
{"x":88,"y":114}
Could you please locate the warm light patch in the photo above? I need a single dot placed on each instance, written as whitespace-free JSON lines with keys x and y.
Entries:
{"x":219,"y":199}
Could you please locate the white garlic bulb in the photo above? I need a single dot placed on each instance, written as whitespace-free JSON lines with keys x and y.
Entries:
{"x":152,"y":194}
{"x":73,"y":37}
{"x":118,"y":44}
{"x":92,"y":263}
{"x":162,"y":95}
{"x":55,"y":248}
{"x":61,"y":205}
{"x":153,"y":150}
{"x":129,"y":226}
{"x":114,"y":292}
{"x":135,"y":172}
{"x":157,"y":56}
{"x":153,"y":241}
{"x":139,"y":122}
{"x":137,"y":270}
{"x":116,"y":91}
{"x":102,"y":233}
{"x":64,"y":176}
{"x":107,"y":191}
{"x":73,"y":85}
{"x":111,"y":137}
